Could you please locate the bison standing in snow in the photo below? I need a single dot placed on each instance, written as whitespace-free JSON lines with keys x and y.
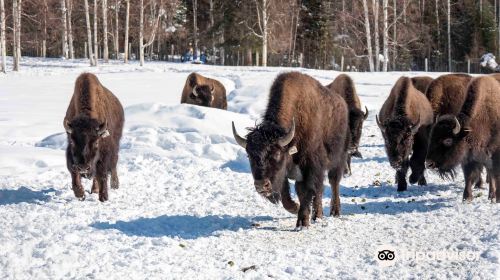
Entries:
{"x":94,"y":123}
{"x":344,"y":86}
{"x":405,"y":120}
{"x":304,"y":133}
{"x":204,"y":91}
{"x":472,"y":139}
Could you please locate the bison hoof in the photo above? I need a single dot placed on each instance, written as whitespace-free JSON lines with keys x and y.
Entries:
{"x":414,"y":178}
{"x":303,"y":222}
{"x":103,"y":197}
{"x":402,"y":187}
{"x":467,"y":199}
{"x":300,"y":228}
{"x":422,"y":181}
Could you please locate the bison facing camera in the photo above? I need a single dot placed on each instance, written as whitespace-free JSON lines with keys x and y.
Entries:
{"x":386,"y":255}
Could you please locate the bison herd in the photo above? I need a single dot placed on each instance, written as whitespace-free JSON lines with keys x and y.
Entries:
{"x":309,"y":130}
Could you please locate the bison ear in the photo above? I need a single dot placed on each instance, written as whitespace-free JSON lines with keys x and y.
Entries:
{"x":102,"y":130}
{"x":67,"y":127}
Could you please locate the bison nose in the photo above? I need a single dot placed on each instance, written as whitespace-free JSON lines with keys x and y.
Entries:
{"x":263,"y":186}
{"x":81,"y":168}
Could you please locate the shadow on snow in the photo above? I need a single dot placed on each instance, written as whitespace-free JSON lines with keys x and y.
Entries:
{"x":24,"y":194}
{"x":183,"y":226}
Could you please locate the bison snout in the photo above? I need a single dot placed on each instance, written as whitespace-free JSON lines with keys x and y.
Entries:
{"x":81,"y":168}
{"x":263,"y":187}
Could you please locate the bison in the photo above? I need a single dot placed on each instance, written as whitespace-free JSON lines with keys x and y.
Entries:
{"x":421,"y":83}
{"x":404,"y":121}
{"x":344,"y":86}
{"x":304,"y":132}
{"x":204,"y":91}
{"x":472,"y":139}
{"x":94,"y":123}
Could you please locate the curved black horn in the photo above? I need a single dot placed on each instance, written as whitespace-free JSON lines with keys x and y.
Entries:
{"x":416,"y":126}
{"x":366,"y":113}
{"x":194,"y":91}
{"x":285,"y":140}
{"x":458,"y":127}
{"x":67,"y":127}
{"x":380,"y":125}
{"x":240,"y":140}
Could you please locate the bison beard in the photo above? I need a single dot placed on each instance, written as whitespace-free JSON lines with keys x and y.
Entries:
{"x":304,"y":133}
{"x":94,"y":124}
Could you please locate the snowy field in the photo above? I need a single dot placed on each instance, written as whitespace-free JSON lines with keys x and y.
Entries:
{"x":187,"y":207}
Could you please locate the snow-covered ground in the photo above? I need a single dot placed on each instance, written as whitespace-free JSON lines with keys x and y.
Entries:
{"x":187,"y":208}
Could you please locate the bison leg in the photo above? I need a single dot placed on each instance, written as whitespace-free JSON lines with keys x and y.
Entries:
{"x":318,"y":203}
{"x":95,"y":186}
{"x":417,"y":161}
{"x":334,"y":177}
{"x":470,"y":174}
{"x":401,"y":177}
{"x":115,"y":183}
{"x":76,"y":184}
{"x":306,"y":191}
{"x":103,"y":187}
{"x":287,"y":201}
{"x":348,"y":171}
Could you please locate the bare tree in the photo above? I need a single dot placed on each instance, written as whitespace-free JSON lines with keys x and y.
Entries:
{"x":125,"y":59}
{"x":152,"y":35}
{"x":386,"y":35}
{"x":16,"y":29}
{"x":368,"y":36}
{"x":44,"y":41}
{"x":395,"y":35}
{"x":449,"y":36}
{"x":105,"y":53}
{"x":89,"y":34}
{"x":96,"y":46}
{"x":195,"y":24}
{"x":3,"y":50}
{"x":69,"y":6}
{"x":376,"y":8}
{"x":262,"y":10}
{"x":65,"y":30}
{"x":117,"y":28}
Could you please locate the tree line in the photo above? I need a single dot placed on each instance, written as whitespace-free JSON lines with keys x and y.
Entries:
{"x":358,"y":35}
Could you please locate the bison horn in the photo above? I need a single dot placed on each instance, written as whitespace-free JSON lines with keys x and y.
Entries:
{"x":285,"y":140}
{"x":212,"y":89}
{"x":194,"y":91}
{"x":380,"y":125}
{"x":67,"y":126}
{"x":366,"y":113}
{"x":240,"y":140}
{"x":416,"y":126}
{"x":457,"y":128}
{"x":102,"y":130}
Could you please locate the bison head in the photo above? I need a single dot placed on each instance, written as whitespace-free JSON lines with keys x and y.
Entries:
{"x":356,"y":119}
{"x":203,"y":95}
{"x":398,"y":136}
{"x":269,"y":152}
{"x":447,"y":147}
{"x":84,"y":137}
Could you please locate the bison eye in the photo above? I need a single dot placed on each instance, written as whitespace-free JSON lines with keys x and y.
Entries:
{"x":448,"y":142}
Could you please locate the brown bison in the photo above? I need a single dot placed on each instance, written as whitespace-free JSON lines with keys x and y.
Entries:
{"x":404,"y":120}
{"x":344,"y":86}
{"x":304,"y":133}
{"x":94,"y":124}
{"x":447,"y":95}
{"x":421,"y":83}
{"x":472,"y":139}
{"x":204,"y":91}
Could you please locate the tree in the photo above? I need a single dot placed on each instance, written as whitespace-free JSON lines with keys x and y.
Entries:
{"x":105,"y":53}
{"x":3,"y":49}
{"x":449,"y":36}
{"x":96,"y":46}
{"x":69,"y":6}
{"x":16,"y":30}
{"x":152,"y":35}
{"x":386,"y":35}
{"x":125,"y":59}
{"x":64,"y":17}
{"x":117,"y":28}
{"x":368,"y":36}
{"x":89,"y":34}
{"x":376,"y":8}
{"x":195,"y":24}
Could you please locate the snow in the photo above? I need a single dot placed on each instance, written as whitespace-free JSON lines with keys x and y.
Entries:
{"x":186,"y":207}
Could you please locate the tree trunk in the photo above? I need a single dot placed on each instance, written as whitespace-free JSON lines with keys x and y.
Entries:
{"x":105,"y":53}
{"x":394,"y":37}
{"x":65,"y":30}
{"x":212,"y":22}
{"x":16,"y":17}
{"x":141,"y":34}
{"x":44,"y":41}
{"x":3,"y":52}
{"x":386,"y":35}
{"x":89,"y":34}
{"x":376,"y":8}
{"x":117,"y":28}
{"x":368,"y":37}
{"x":438,"y":27}
{"x":264,"y":33}
{"x":69,"y":6}
{"x":195,"y":25}
{"x":96,"y":46}
{"x":449,"y":36}
{"x":126,"y":32}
